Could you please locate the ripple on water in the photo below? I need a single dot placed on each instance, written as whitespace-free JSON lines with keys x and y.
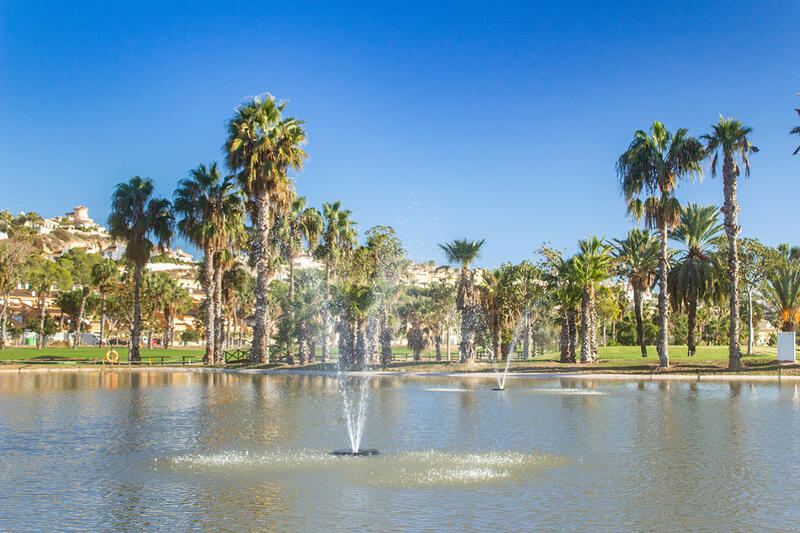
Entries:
{"x":405,"y":469}
{"x":435,"y":468}
{"x":573,"y":392}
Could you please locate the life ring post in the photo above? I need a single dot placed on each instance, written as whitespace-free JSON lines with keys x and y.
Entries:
{"x":112,"y":356}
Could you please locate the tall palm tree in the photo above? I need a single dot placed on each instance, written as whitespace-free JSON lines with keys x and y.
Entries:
{"x":591,"y":266}
{"x":730,"y":137}
{"x":262,"y":145}
{"x":569,"y":295}
{"x":649,"y":172}
{"x":338,"y":239}
{"x":637,"y":259}
{"x":463,"y":253}
{"x":135,"y":217}
{"x":692,"y":278}
{"x":211,"y":210}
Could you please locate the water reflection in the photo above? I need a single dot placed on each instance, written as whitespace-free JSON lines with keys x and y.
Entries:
{"x":132,"y":451}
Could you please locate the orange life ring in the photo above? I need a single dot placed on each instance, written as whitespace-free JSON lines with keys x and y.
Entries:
{"x":112,"y":356}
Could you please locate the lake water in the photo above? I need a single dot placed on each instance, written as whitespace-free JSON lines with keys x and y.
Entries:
{"x":178,"y":451}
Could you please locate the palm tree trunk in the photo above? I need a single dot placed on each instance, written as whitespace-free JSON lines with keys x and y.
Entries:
{"x":497,"y":349}
{"x":586,"y":343}
{"x":326,"y":313}
{"x":84,"y":294}
{"x":564,"y":339}
{"x":663,"y":324}
{"x":165,"y":339}
{"x":731,"y":210}
{"x":361,"y":343}
{"x":102,"y":319}
{"x":219,"y":330}
{"x":136,"y":326}
{"x":593,"y":324}
{"x":386,"y":337}
{"x":40,"y":340}
{"x":208,"y":285}
{"x":692,"y":325}
{"x":468,"y":319}
{"x":749,"y":321}
{"x":260,"y":353}
{"x":438,"y":341}
{"x":291,"y":279}
{"x":3,"y":321}
{"x":526,"y":338}
{"x":637,"y":311}
{"x":447,"y":339}
{"x":301,"y":347}
{"x":573,"y":336}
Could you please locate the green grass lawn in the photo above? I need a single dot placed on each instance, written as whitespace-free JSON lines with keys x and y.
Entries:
{"x":60,"y":353}
{"x":611,"y":359}
{"x":678,"y":352}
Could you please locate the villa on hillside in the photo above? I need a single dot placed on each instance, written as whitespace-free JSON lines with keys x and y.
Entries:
{"x":77,"y":219}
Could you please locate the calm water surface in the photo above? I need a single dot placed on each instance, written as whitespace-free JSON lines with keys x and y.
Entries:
{"x":177,"y":451}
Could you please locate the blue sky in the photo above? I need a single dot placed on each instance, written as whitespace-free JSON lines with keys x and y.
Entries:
{"x":444,"y":120}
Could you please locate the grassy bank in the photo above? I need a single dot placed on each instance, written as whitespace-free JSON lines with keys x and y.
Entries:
{"x":612,"y":359}
{"x":91,"y":354}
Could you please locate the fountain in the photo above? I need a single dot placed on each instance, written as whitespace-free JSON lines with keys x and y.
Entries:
{"x":355,"y":391}
{"x":501,"y":378}
{"x":354,"y":380}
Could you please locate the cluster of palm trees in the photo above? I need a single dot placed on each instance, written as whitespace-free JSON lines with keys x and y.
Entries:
{"x":360,"y":298}
{"x":650,"y":171}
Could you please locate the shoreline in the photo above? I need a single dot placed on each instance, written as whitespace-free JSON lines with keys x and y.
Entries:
{"x":610,"y":376}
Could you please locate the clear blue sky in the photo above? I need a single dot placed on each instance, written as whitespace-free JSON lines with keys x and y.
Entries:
{"x":445,"y":121}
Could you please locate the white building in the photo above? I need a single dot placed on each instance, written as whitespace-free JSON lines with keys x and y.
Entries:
{"x":115,"y":251}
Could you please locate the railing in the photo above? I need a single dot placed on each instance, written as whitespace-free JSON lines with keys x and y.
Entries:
{"x":238,"y":356}
{"x":158,"y":360}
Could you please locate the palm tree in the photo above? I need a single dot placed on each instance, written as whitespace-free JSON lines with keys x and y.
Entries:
{"x":262,"y":145}
{"x":105,"y":277}
{"x":463,"y":253}
{"x":500,"y":297}
{"x":692,"y":277}
{"x":303,"y":226}
{"x":306,"y":309}
{"x":590,"y":267}
{"x":136,"y":216}
{"x":211,"y":210}
{"x":731,"y":138}
{"x":637,"y":259}
{"x":338,"y":239}
{"x":649,"y":172}
{"x":416,"y":314}
{"x":569,"y":295}
{"x":784,"y":293}
{"x":443,"y":302}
